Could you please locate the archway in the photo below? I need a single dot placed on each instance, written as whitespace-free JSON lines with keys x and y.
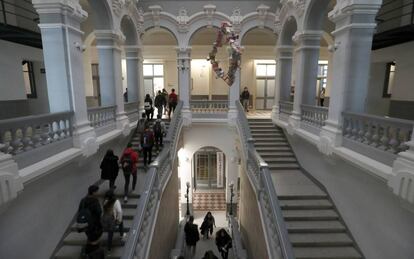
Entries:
{"x":160,"y":60}
{"x":258,"y":67}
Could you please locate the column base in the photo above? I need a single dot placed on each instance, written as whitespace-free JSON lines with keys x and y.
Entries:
{"x":187,"y":116}
{"x":403,"y":171}
{"x":330,"y":137}
{"x":84,"y":137}
{"x":10,"y":182}
{"x":122,"y":123}
{"x":294,"y":123}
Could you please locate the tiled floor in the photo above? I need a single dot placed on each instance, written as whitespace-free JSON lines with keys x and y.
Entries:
{"x":205,"y":201}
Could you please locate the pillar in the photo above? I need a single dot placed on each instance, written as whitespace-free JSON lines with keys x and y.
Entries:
{"x":108,"y":43}
{"x":354,"y":29}
{"x":132,"y":58}
{"x":184,"y":80}
{"x":307,"y":54}
{"x":62,"y":51}
{"x":234,"y":95}
{"x":283,"y":77}
{"x":141,"y":88}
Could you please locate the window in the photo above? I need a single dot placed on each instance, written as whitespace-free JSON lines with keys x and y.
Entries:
{"x":265,"y":84}
{"x":322,"y":73}
{"x":153,"y":78}
{"x":389,"y":80}
{"x":29,"y":80}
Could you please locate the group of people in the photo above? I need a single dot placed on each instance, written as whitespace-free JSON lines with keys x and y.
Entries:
{"x":192,"y":236}
{"x":93,"y":220}
{"x":163,"y":102}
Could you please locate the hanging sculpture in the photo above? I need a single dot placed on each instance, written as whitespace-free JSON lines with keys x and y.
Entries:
{"x":226,"y":34}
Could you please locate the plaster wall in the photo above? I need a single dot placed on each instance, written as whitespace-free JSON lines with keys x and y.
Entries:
{"x":39,"y":216}
{"x":380,"y":225}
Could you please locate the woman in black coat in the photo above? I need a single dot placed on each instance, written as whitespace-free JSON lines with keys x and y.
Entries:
{"x":110,"y":168}
{"x":223,"y":242}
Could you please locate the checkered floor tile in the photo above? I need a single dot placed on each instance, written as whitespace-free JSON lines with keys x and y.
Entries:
{"x":213,"y":201}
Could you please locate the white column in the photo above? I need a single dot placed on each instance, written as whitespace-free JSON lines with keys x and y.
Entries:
{"x":307,"y":54}
{"x":141,"y":88}
{"x":353,"y":34}
{"x":283,"y":77}
{"x":62,"y":51}
{"x":131,"y":54}
{"x":184,"y":80}
{"x":108,"y":43}
{"x":234,"y":95}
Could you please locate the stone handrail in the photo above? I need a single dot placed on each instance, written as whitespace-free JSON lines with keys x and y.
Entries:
{"x":386,"y":134}
{"x":238,"y":250}
{"x":131,"y":110}
{"x":286,"y":107}
{"x":259,"y":175}
{"x":180,"y":242}
{"x":314,"y":115}
{"x":138,"y":243}
{"x":22,"y":134}
{"x":101,"y":116}
{"x":209,"y":106}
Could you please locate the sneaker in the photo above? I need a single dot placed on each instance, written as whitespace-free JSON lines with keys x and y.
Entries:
{"x":125,"y":199}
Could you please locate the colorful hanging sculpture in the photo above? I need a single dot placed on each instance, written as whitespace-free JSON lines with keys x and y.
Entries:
{"x":225,"y":33}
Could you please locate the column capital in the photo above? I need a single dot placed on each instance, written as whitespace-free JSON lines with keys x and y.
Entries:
{"x":307,"y":39}
{"x":68,"y":8}
{"x":109,"y":39}
{"x":284,"y":52}
{"x":183,"y":52}
{"x":133,"y":52}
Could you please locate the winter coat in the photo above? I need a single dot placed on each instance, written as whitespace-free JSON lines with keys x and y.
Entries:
{"x":159,"y":100}
{"x":191,"y":234}
{"x":134,"y":158}
{"x":245,"y":95}
{"x":109,"y":168}
{"x":223,"y":241}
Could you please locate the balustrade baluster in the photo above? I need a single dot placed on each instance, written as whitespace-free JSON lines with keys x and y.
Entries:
{"x":16,"y":142}
{"x":395,"y":140}
{"x":384,"y":139}
{"x":27,"y":138}
{"x":348,"y":129}
{"x":354,"y":128}
{"x":37,"y":136}
{"x":368,"y":135}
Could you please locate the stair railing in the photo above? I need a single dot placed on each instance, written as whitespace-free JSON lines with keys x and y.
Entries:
{"x":258,"y":173}
{"x":238,"y":250}
{"x":158,"y":175}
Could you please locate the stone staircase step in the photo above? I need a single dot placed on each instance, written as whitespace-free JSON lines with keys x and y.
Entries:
{"x":315,"y":227}
{"x":274,"y":149}
{"x":311,"y":215}
{"x":320,"y":240}
{"x":127,"y":225}
{"x":268,"y":138}
{"x":283,"y":166}
{"x":326,"y":253}
{"x":267,"y":154}
{"x":305,"y":204}
{"x":79,"y":239}
{"x":276,"y":160}
{"x":302,"y":197}
{"x":271,"y":144}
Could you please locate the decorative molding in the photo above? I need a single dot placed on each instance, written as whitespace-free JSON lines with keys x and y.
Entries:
{"x":209,"y":11}
{"x":182,"y":20}
{"x":67,"y":7}
{"x":236,"y":20}
{"x":262,"y":11}
{"x":155,"y":12}
{"x":277,"y":24}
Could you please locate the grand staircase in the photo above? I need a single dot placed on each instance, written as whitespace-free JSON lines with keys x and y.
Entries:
{"x":315,"y":227}
{"x":72,"y":243}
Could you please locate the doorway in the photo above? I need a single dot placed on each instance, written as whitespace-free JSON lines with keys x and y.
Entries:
{"x":153,"y":79}
{"x":265,"y":86}
{"x":209,"y":168}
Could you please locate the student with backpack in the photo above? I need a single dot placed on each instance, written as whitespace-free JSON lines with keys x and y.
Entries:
{"x":109,"y":168}
{"x":142,"y":123}
{"x":89,"y":216}
{"x":147,"y":142}
{"x":128,"y":163}
{"x":112,"y":217}
{"x":159,"y":129}
{"x":159,"y":103}
{"x":149,"y":110}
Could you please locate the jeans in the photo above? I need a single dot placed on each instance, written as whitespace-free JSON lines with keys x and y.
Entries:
{"x":158,"y":140}
{"x":111,"y":234}
{"x":150,"y":114}
{"x":127,"y":178}
{"x":245,"y":103}
{"x":159,"y":110}
{"x":172,"y":109}
{"x":147,"y":154}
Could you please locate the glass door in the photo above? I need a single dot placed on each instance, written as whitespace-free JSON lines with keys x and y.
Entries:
{"x":205,"y":166}
{"x":265,"y":86}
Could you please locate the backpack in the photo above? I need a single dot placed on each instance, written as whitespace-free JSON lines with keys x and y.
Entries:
{"x":126,"y":163}
{"x":84,"y":217}
{"x":147,"y":139}
{"x":157,"y":128}
{"x":108,"y":221}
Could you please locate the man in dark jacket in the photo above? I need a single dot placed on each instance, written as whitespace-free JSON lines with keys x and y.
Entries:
{"x":91,"y":204}
{"x":147,"y":142}
{"x":159,"y":102}
{"x":109,"y":168}
{"x":244,"y":98}
{"x":223,"y":242}
{"x":128,"y":162}
{"x":191,"y":237}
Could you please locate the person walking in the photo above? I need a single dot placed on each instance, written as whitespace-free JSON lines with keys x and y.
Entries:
{"x":149,"y":110}
{"x":89,"y":220}
{"x":172,"y":102}
{"x":165,"y":95}
{"x":245,"y":97}
{"x":191,"y":237}
{"x":112,"y":217}
{"x":159,"y":130}
{"x":159,"y":103}
{"x":147,"y":142}
{"x":223,"y":242}
{"x":109,"y":168}
{"x":322,"y":96}
{"x":208,"y":225}
{"x":128,"y":162}
{"x":142,"y":123}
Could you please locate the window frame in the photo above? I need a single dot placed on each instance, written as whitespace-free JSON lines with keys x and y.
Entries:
{"x":386,"y":86}
{"x":32,"y":82}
